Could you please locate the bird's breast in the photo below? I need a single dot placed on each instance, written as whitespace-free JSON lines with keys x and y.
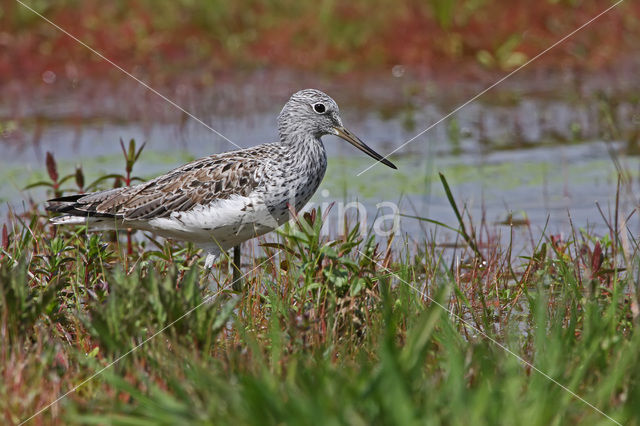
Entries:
{"x":293,"y":187}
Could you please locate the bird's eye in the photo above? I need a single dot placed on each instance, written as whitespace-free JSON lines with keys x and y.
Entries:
{"x":319,"y":108}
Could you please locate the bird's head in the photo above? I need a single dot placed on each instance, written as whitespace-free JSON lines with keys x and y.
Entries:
{"x":312,"y":112}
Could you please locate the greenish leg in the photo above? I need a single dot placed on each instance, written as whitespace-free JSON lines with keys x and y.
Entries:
{"x":237,"y":273}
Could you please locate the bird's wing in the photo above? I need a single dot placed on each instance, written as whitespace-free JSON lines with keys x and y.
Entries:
{"x":197,"y":183}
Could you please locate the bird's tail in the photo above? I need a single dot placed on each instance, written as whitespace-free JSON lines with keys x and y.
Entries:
{"x":69,"y":220}
{"x":92,"y":223}
{"x":76,"y":213}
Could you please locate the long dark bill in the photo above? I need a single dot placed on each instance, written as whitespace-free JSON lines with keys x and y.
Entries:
{"x":355,"y":141}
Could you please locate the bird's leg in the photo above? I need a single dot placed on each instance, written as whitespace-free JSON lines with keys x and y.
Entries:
{"x":236,"y":285}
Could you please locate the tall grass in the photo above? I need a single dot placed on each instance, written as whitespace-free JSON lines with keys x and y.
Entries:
{"x":350,"y":330}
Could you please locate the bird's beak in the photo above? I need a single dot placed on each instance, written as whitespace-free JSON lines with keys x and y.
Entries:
{"x":345,"y":134}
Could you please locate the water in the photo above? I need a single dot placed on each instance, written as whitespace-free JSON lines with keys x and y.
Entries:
{"x":550,"y":157}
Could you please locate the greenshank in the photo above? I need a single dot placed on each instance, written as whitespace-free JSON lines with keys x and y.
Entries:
{"x":220,"y":201}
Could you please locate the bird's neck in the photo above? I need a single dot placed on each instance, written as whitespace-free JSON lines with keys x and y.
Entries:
{"x":304,"y":144}
{"x":307,"y":150}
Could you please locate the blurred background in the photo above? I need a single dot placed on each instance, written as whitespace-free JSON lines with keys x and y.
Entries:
{"x":558,"y":141}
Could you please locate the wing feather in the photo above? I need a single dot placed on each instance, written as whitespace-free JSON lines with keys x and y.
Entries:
{"x":200,"y":182}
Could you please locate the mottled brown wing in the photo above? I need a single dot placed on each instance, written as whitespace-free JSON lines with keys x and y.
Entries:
{"x":198,"y":183}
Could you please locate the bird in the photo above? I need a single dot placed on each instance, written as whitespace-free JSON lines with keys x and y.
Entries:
{"x":220,"y":201}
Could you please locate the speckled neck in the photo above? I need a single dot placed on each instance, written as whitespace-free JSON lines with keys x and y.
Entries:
{"x":302,"y":156}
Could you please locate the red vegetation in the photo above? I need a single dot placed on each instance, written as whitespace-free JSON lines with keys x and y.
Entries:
{"x":161,"y":42}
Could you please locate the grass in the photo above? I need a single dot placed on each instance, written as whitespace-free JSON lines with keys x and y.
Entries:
{"x":344,"y":330}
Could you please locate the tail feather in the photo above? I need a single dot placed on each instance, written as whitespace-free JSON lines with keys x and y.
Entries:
{"x":75,"y":211}
{"x":62,"y":204}
{"x":78,"y":205}
{"x":93,"y":223}
{"x":70,"y":220}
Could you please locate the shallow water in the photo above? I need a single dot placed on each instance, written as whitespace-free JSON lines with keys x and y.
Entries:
{"x":545,"y":156}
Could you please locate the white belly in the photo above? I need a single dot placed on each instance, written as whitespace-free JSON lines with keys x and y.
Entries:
{"x":225,"y":223}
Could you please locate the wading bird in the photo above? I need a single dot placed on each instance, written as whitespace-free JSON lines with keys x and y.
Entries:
{"x":220,"y":201}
